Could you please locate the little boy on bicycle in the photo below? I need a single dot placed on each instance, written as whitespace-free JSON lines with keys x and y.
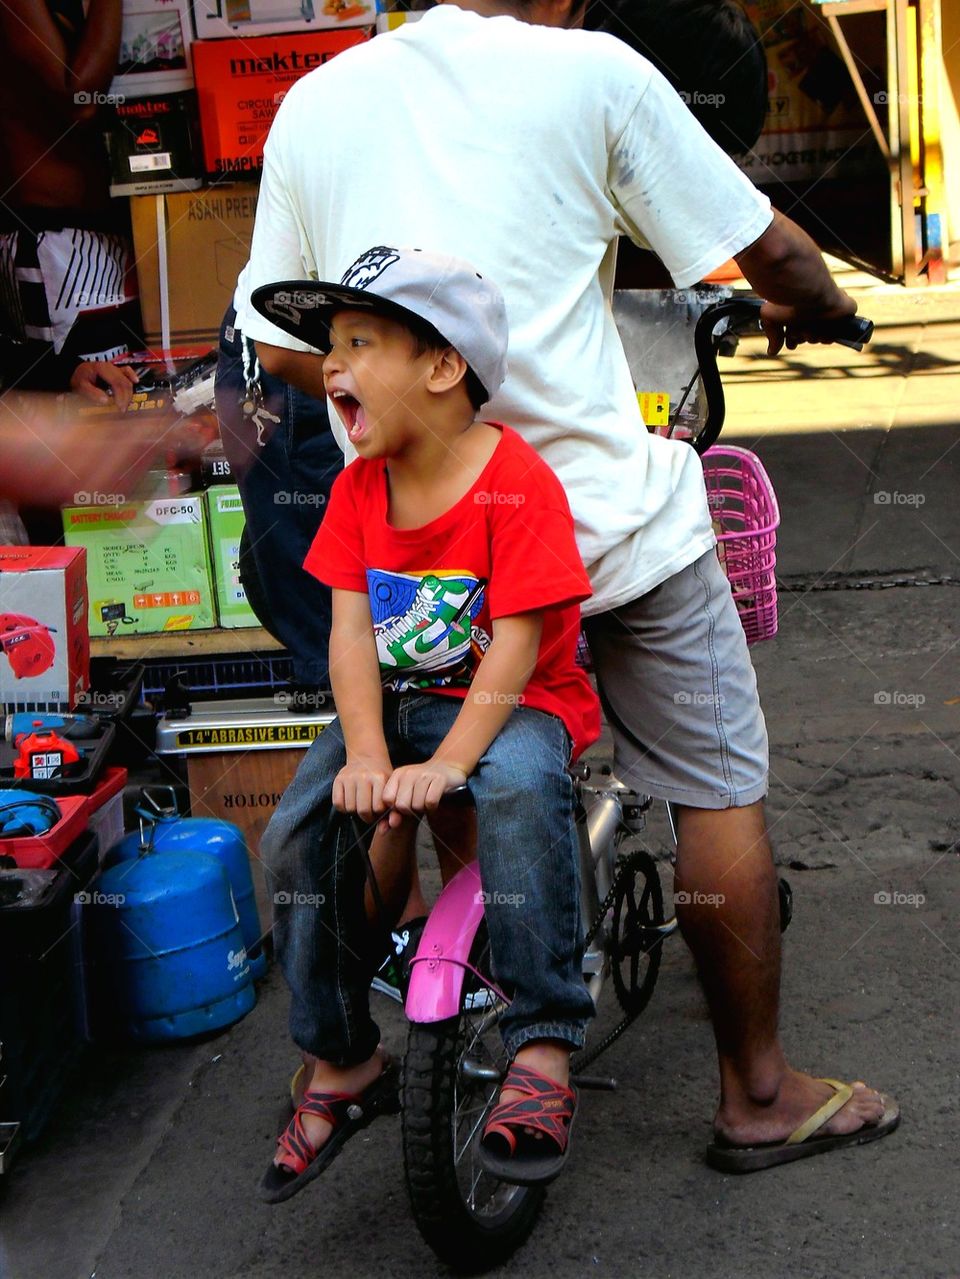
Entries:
{"x":456,"y":581}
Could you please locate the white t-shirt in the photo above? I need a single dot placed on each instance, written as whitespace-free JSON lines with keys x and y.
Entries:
{"x":526,"y":150}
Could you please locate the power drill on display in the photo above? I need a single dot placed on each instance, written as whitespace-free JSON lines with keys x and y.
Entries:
{"x":68,"y":726}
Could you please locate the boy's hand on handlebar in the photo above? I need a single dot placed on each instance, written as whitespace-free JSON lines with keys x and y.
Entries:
{"x":358,"y":787}
{"x":790,"y":325}
{"x":419,"y":788}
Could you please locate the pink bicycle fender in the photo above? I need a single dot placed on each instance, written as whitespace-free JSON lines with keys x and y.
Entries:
{"x":437,"y":972}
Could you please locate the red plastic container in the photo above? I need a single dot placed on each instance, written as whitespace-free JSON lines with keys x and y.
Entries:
{"x":40,"y":852}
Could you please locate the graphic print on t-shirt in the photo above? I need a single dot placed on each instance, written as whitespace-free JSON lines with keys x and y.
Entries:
{"x":424,"y":627}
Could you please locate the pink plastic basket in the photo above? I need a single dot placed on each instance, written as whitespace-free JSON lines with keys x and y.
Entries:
{"x":746,"y":516}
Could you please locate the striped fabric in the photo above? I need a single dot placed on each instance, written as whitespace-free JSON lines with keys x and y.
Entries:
{"x":51,"y":278}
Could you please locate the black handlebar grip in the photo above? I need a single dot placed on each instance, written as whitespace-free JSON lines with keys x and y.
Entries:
{"x":853,"y":331}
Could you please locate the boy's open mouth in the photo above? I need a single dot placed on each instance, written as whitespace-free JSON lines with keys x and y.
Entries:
{"x":351,"y":413}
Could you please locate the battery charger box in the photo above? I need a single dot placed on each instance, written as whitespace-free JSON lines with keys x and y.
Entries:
{"x":148,"y":569}
{"x":241,"y":83}
{"x":226,"y":519}
{"x":44,"y":641}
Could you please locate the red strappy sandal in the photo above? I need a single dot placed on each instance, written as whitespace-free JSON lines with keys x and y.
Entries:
{"x":512,"y":1154}
{"x":346,"y":1114}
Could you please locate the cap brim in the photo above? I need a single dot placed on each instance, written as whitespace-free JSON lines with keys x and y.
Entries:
{"x":305,"y":308}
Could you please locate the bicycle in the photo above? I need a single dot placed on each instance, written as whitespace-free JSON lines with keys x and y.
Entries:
{"x":455,"y":1061}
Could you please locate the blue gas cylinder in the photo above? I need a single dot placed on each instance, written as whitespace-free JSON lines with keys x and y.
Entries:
{"x":167,"y":946}
{"x":214,"y":838}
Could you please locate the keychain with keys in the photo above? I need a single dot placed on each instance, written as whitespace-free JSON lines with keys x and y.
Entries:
{"x":251,"y":403}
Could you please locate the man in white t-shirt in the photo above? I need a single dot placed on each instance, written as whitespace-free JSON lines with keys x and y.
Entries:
{"x":503,"y":134}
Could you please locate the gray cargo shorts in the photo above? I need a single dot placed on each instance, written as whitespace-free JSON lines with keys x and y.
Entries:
{"x":680,"y":693}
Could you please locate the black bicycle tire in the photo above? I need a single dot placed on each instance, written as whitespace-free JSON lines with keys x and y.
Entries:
{"x":647,"y":867}
{"x":458,"y":1238}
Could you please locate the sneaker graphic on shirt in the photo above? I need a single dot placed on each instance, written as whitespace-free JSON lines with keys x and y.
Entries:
{"x":434,"y":632}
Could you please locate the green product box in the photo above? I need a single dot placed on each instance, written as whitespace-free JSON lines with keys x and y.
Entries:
{"x":148,"y":568}
{"x":225,"y":521}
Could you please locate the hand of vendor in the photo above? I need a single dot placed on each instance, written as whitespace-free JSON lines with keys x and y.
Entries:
{"x":47,"y":456}
{"x":99,"y":381}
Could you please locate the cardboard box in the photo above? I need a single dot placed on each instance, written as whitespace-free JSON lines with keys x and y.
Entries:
{"x":44,"y":641}
{"x":396,"y":18}
{"x":225,"y":520}
{"x":215,"y":466}
{"x":241,"y":83}
{"x":225,"y":19}
{"x":155,"y":41}
{"x":207,"y":239}
{"x":240,"y":756}
{"x":154,"y":145}
{"x":148,"y":569}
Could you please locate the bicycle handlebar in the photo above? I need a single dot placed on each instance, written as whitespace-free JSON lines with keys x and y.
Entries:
{"x":853,"y":331}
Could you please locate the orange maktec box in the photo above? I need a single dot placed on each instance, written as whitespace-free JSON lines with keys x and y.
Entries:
{"x":241,"y":83}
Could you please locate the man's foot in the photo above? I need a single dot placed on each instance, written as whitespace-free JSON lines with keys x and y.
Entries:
{"x":804,"y":1116}
{"x":393,"y":975}
{"x":797,"y":1098}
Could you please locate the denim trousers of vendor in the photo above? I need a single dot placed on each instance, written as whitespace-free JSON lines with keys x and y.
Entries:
{"x":285,"y":484}
{"x":528,"y":854}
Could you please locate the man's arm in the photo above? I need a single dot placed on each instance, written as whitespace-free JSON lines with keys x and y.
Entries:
{"x":785,"y":266}
{"x":302,"y":369}
{"x":496,"y":690}
{"x":355,"y":680}
{"x":44,"y":58}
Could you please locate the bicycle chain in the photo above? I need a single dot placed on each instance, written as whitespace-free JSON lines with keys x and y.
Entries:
{"x":626,"y":865}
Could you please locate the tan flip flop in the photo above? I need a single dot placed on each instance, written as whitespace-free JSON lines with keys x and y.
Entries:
{"x":803,"y":1141}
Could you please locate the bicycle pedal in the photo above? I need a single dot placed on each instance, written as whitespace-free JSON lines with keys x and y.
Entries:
{"x":595,"y":1083}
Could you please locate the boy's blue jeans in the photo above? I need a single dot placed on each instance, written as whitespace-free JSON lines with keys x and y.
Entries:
{"x":529,"y":868}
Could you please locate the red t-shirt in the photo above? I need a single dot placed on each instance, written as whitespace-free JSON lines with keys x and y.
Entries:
{"x":506,"y":547}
